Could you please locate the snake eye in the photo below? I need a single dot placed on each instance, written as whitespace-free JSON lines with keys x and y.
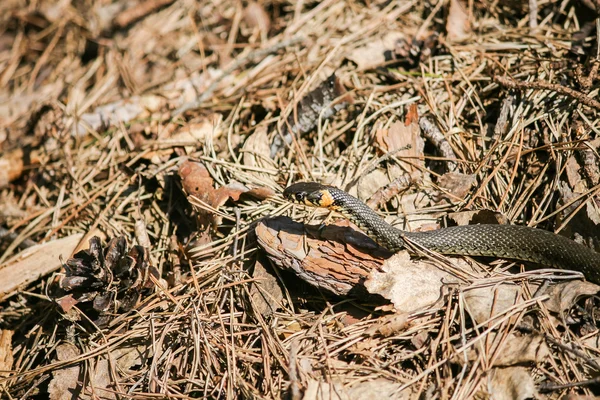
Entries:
{"x":300,"y":197}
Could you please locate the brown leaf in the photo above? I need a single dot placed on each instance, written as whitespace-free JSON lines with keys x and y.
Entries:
{"x":563,"y":295}
{"x":483,"y":303}
{"x":573,"y":175}
{"x":457,"y":185}
{"x":379,"y":388}
{"x":11,"y":166}
{"x":192,"y":134}
{"x":198,"y":184}
{"x":196,"y":180}
{"x":405,"y":135}
{"x":266,"y":291}
{"x":458,"y":26}
{"x":478,"y":217}
{"x":64,"y":383}
{"x":509,"y":351}
{"x":256,"y":17}
{"x":389,"y":325}
{"x":67,"y":302}
{"x":374,"y":52}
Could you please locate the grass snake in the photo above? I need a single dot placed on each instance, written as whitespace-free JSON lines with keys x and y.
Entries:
{"x":501,"y":241}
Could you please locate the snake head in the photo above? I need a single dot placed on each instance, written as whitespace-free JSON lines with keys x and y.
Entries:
{"x":308,"y":193}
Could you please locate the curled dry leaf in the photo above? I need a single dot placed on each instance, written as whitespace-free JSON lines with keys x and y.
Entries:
{"x":198,"y":184}
{"x":334,"y":258}
{"x":563,"y":295}
{"x":410,"y":285}
{"x":64,"y":383}
{"x":323,"y":102}
{"x":256,"y":153}
{"x":193,"y":133}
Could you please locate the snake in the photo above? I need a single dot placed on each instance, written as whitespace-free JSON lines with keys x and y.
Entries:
{"x":513,"y":242}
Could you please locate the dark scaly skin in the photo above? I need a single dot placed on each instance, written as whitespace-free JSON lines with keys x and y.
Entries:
{"x":502,"y":241}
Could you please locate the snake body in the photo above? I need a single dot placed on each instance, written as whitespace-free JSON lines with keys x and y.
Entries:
{"x":501,"y":241}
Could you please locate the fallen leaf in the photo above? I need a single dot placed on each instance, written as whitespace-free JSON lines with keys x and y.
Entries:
{"x":410,"y":285}
{"x":573,"y":174}
{"x":509,"y":351}
{"x":456,"y":184}
{"x":65,"y":381}
{"x":207,"y":199}
{"x":374,"y":52}
{"x":512,"y":383}
{"x":194,"y":133}
{"x":478,"y":217}
{"x":256,"y":153}
{"x":256,"y":17}
{"x":563,"y":295}
{"x":483,"y":303}
{"x":389,"y":325}
{"x":266,"y":291}
{"x":458,"y":26}
{"x":371,"y":183}
{"x":365,"y":347}
{"x":364,"y":389}
{"x":405,"y":139}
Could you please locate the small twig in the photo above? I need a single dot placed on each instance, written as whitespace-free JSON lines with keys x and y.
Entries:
{"x":582,"y":97}
{"x":235,"y":65}
{"x":373,"y":165}
{"x":139,"y":11}
{"x":548,"y":387}
{"x":533,"y":14}
{"x":502,"y":122}
{"x":432,"y":133}
{"x":384,"y":194}
{"x":7,"y":234}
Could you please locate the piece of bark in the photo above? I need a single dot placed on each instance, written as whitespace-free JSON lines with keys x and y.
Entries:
{"x":335,"y":258}
{"x":34,"y":263}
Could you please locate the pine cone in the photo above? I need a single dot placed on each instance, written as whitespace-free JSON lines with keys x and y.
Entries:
{"x":107,"y":280}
